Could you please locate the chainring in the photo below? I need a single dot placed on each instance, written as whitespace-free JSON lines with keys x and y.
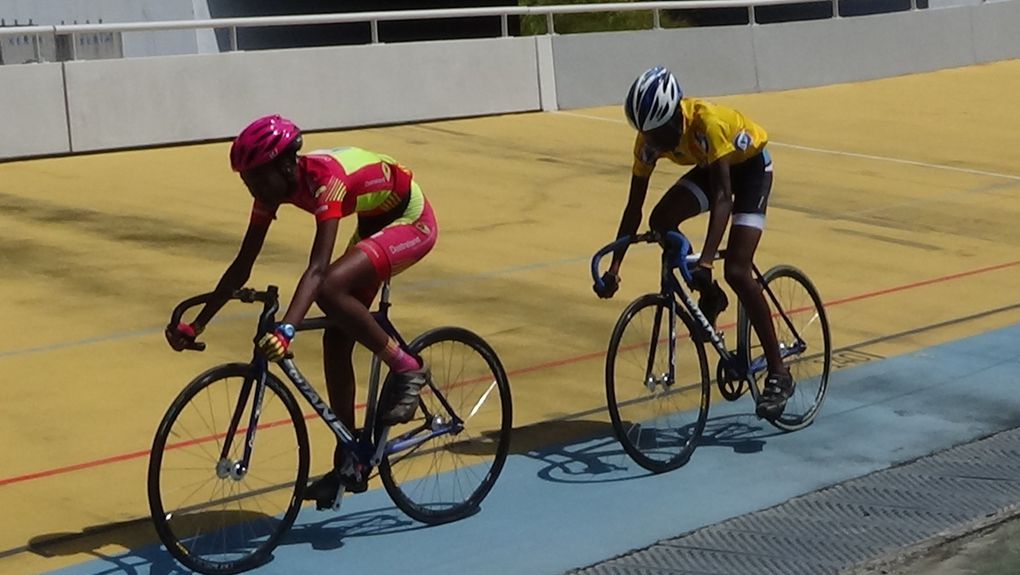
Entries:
{"x":730,"y":387}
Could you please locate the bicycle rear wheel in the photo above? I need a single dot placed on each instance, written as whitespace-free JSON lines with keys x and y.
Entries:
{"x":804,"y":309}
{"x":657,"y":421}
{"x":437,"y":477}
{"x":211,"y":517}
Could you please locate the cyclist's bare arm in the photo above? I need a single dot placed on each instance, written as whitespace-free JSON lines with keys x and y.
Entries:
{"x":631,"y":219}
{"x":318,"y":262}
{"x":721,"y":205}
{"x":237,"y":272}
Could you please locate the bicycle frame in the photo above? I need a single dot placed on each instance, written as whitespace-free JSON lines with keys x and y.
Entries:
{"x":677,"y":256}
{"x":364,"y":448}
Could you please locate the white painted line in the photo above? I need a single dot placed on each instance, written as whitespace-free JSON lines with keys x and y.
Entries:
{"x":481,"y":400}
{"x":589,"y":117}
{"x":1013,"y":177}
{"x":899,"y":161}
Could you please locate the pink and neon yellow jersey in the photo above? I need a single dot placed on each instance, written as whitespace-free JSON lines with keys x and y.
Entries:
{"x":343,"y":181}
{"x":710,"y":132}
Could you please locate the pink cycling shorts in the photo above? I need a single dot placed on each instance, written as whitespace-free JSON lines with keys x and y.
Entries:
{"x":401,"y":244}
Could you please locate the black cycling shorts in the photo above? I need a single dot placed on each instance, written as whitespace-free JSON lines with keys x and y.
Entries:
{"x":751,"y":182}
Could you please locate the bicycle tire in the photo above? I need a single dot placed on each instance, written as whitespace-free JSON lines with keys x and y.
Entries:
{"x":234,"y":522}
{"x":803,"y":406}
{"x":657,"y":443}
{"x":487,"y":437}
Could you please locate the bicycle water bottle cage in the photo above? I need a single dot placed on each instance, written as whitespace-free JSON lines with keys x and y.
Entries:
{"x":678,"y":247}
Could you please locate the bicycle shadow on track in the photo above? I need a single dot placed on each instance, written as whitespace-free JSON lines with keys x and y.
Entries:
{"x":145,"y":554}
{"x":601,"y":460}
{"x":575,"y":451}
{"x":741,"y":432}
{"x":595,"y":455}
{"x":330,"y":533}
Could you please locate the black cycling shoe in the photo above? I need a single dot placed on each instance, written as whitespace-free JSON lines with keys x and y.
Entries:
{"x":326,"y":490}
{"x":713,"y":302}
{"x":779,"y":387}
{"x":402,"y":399}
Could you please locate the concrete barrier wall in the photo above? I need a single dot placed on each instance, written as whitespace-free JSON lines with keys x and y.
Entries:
{"x":131,"y":102}
{"x":161,"y":100}
{"x":996,"y":35}
{"x":32,"y":111}
{"x":595,"y":69}
{"x":851,"y":49}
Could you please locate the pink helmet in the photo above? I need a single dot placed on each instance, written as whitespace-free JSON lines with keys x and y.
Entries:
{"x":262,"y":141}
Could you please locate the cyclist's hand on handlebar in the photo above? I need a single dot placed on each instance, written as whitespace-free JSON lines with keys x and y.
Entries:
{"x":182,"y":336}
{"x":701,"y":279}
{"x":276,"y":344}
{"x":610,"y":283}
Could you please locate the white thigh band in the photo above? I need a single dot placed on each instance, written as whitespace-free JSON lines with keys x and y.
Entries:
{"x":750,"y":220}
{"x":699,"y":195}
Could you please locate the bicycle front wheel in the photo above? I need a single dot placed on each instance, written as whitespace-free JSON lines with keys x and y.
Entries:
{"x":212,"y":516}
{"x":802,"y":330}
{"x":444,"y":462}
{"x":658,"y":414}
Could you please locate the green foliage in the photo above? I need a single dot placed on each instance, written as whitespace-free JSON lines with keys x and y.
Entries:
{"x":594,"y":22}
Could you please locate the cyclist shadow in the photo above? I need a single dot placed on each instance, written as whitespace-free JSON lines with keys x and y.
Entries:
{"x":138,"y":536}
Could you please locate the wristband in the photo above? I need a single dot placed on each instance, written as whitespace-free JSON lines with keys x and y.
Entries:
{"x":286,"y":330}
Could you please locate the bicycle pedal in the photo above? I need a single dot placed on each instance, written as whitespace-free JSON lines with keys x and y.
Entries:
{"x":331,"y":505}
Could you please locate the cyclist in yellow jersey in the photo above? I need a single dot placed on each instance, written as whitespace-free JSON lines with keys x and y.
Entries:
{"x":732,"y":175}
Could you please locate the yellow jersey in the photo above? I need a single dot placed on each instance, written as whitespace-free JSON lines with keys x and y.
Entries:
{"x":710,"y":132}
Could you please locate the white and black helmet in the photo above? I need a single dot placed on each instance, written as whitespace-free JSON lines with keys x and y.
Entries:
{"x":652,"y":99}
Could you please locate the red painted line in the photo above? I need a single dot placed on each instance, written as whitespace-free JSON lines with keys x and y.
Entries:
{"x":923,"y":283}
{"x":145,"y":453}
{"x":75,"y":467}
{"x":538,"y":367}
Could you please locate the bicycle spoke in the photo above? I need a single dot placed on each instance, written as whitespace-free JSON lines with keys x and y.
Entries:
{"x":658,"y":410}
{"x":221,"y":517}
{"x":481,"y":400}
{"x":444,"y":477}
{"x":799,"y":321}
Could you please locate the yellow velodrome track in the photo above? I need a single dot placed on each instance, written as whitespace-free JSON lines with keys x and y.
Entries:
{"x":899,"y":197}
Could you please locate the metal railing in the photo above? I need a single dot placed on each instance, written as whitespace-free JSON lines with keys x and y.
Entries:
{"x":374,"y":18}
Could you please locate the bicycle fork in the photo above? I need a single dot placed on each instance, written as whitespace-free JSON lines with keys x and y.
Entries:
{"x":227,"y":467}
{"x":666,"y":379}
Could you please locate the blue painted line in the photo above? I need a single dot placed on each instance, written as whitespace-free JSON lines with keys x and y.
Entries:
{"x":568,"y":506}
{"x":458,"y":280}
{"x":78,"y":342}
{"x":409,"y":287}
{"x":117,"y":336}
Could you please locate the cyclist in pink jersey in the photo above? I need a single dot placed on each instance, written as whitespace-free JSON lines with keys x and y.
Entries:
{"x":396,"y":228}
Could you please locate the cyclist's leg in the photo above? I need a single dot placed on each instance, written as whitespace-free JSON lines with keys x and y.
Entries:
{"x":338,"y":367}
{"x":374,"y":260}
{"x":743,"y":242}
{"x":347,"y":278}
{"x":685,"y":199}
{"x":337,"y":348}
{"x":752,"y":184}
